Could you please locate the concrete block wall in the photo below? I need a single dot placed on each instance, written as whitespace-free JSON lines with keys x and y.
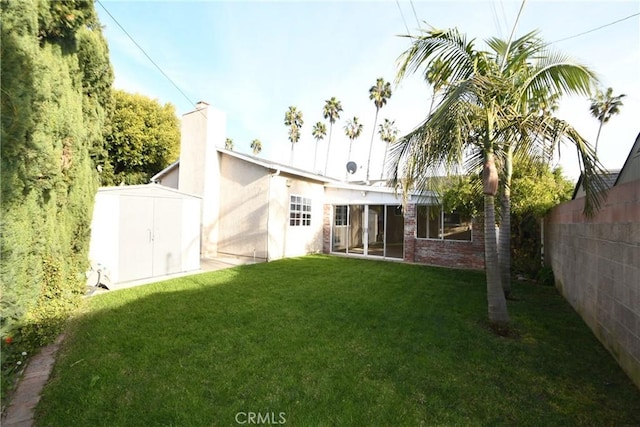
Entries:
{"x":445,"y":253}
{"x":596,"y":263}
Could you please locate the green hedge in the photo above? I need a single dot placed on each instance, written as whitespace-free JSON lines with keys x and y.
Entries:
{"x":56,"y":80}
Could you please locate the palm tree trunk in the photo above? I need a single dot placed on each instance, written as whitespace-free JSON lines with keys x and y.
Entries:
{"x":315,"y":156}
{"x":291,"y":157}
{"x":326,"y":160}
{"x":384,"y":160}
{"x":433,"y":100}
{"x":495,"y":296}
{"x":346,"y":174}
{"x":373,"y":134}
{"x":598,"y":136}
{"x":504,"y":241}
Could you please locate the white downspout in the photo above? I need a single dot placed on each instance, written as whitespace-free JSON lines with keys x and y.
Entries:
{"x":273,"y":175}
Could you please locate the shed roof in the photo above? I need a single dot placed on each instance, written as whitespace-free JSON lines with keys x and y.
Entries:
{"x":146,"y":190}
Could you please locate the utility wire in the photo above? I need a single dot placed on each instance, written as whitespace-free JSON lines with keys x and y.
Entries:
{"x":403,"y":20}
{"x":595,"y":29}
{"x":513,"y":31}
{"x":504,"y":16}
{"x":147,"y":55}
{"x":496,"y":19}
{"x":414,"y":14}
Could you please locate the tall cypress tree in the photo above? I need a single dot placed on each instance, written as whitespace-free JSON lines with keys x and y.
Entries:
{"x":56,"y":80}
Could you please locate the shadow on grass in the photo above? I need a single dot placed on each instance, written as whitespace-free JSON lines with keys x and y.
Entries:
{"x":331,"y":341}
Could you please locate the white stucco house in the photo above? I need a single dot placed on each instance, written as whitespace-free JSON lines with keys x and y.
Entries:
{"x":252,"y":207}
{"x":214,"y":202}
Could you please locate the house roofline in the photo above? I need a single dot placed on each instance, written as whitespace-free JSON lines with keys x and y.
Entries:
{"x":414,"y":196}
{"x":164,"y":171}
{"x":268,"y":164}
{"x":635,"y":148}
{"x":607,"y":173}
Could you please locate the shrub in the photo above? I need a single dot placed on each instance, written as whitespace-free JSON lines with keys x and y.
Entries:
{"x":53,"y":54}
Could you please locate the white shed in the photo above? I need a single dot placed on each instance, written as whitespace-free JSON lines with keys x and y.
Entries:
{"x":144,"y":231}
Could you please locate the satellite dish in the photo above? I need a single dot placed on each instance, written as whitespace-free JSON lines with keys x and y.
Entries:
{"x":352,"y":167}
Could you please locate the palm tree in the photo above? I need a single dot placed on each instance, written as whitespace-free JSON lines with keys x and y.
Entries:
{"x":379,"y":93}
{"x":483,"y":116}
{"x":436,"y":76}
{"x":331,"y":111}
{"x":603,"y":106}
{"x":542,"y":77}
{"x":353,"y":129}
{"x":256,"y":147}
{"x":293,"y":119}
{"x":228,"y":144}
{"x":319,"y":131}
{"x":388,"y":133}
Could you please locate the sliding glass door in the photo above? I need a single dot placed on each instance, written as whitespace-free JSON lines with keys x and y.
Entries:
{"x":369,"y":230}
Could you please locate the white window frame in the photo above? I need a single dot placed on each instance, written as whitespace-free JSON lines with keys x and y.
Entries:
{"x":299,"y":211}
{"x":343,"y":216}
{"x":440,"y":231}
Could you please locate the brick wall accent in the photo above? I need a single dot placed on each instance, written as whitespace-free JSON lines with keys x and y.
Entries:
{"x":326,"y":228}
{"x":596,"y":263}
{"x":445,"y":253}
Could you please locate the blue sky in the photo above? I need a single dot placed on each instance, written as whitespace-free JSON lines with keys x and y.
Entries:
{"x":253,"y":59}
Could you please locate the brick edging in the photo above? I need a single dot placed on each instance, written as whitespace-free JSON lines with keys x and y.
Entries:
{"x":20,"y":411}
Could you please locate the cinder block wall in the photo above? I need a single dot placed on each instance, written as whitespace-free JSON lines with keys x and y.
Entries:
{"x":596,"y":263}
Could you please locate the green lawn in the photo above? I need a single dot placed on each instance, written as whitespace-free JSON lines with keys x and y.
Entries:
{"x":329,"y":341}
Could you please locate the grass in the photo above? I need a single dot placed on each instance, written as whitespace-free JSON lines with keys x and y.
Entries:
{"x":329,"y":341}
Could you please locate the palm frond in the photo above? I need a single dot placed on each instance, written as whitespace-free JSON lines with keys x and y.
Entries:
{"x":520,"y":51}
{"x":558,"y":73}
{"x":447,"y":46}
{"x":561,"y":132}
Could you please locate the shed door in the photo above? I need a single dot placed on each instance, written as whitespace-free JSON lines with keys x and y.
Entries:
{"x":136,"y":238}
{"x":167,"y":236}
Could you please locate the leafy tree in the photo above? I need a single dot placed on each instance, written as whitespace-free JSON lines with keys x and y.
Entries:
{"x":228,"y":144}
{"x":379,"y":94}
{"x":55,"y":95}
{"x":388,"y":133}
{"x":293,"y":119}
{"x":256,"y":147}
{"x":483,"y":115}
{"x":535,"y":189}
{"x":144,"y":139}
{"x":331,"y":111}
{"x":352,"y":129}
{"x":319,"y":131}
{"x":603,"y":106}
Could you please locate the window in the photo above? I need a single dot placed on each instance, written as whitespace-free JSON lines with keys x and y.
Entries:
{"x":433,"y":223}
{"x":299,"y":211}
{"x":341,"y":216}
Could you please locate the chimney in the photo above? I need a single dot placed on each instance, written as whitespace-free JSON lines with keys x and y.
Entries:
{"x":202,"y":131}
{"x":200,"y":105}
